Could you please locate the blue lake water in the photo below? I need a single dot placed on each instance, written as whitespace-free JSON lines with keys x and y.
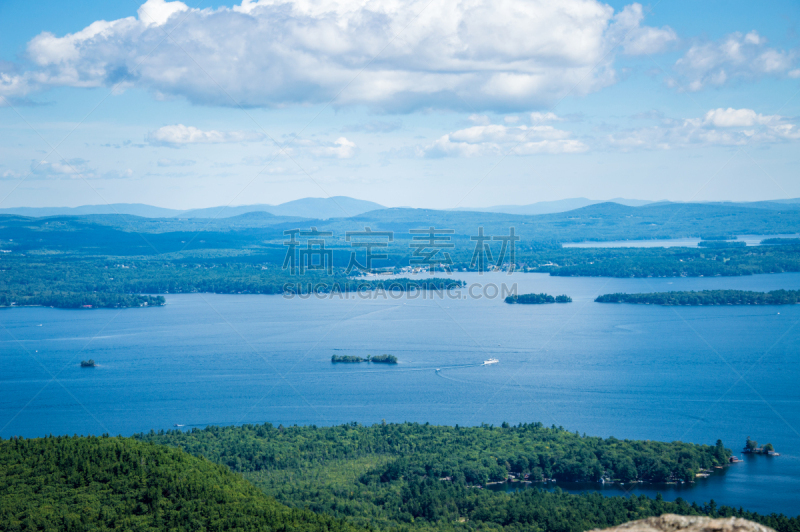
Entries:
{"x":647,"y":372}
{"x":750,"y":240}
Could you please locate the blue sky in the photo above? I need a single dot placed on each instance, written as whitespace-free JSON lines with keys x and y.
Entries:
{"x":428,"y":104}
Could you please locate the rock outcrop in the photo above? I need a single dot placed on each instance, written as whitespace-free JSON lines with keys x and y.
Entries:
{"x":687,"y":523}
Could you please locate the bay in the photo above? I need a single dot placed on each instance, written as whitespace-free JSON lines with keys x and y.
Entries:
{"x":632,"y":371}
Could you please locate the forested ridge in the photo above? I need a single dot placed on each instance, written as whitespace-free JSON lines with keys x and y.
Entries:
{"x":90,"y":483}
{"x":333,"y":479}
{"x":422,"y":477}
{"x":469,"y":455}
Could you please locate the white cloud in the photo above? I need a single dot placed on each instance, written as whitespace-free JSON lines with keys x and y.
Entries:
{"x":76,"y":168}
{"x":341,"y":148}
{"x":734,"y":57}
{"x":487,"y":54}
{"x":719,"y":127}
{"x":158,"y":12}
{"x":738,"y":118}
{"x":636,"y":39}
{"x":537,"y":118}
{"x":179,"y":135}
{"x":497,"y":139}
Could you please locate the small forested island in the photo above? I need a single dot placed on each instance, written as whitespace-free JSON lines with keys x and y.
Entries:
{"x":537,"y":299}
{"x":716,"y":244}
{"x":706,"y":297}
{"x":88,"y":363}
{"x":378,"y":359}
{"x":751,"y":447}
{"x":781,"y":241}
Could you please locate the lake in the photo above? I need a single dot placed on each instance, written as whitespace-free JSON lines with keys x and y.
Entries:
{"x":749,"y":240}
{"x":632,"y":371}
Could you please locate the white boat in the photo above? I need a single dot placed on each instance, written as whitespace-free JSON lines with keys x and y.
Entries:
{"x":490,"y":361}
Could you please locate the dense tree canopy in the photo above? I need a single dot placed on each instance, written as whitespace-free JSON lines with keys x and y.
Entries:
{"x":410,"y":477}
{"x":707,"y":297}
{"x":76,"y":483}
{"x":334,"y":479}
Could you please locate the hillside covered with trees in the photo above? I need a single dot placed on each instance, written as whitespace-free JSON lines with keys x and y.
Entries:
{"x":423,"y":477}
{"x":338,"y":479}
{"x":76,"y":483}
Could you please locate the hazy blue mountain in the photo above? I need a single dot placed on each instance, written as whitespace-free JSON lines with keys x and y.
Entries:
{"x":224,"y":212}
{"x":136,"y":209}
{"x":323,"y":208}
{"x":319,"y":208}
{"x":551,"y":207}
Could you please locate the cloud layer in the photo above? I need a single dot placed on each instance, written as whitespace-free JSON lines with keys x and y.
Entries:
{"x":497,"y":139}
{"x":398,"y":55}
{"x":736,"y":57}
{"x":180,"y":135}
{"x":719,"y":127}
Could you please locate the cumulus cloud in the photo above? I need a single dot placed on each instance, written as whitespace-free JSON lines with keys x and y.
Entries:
{"x":537,"y":118}
{"x":73,"y":169}
{"x":636,"y":39}
{"x":719,"y":127}
{"x":738,"y":118}
{"x":341,"y":148}
{"x":498,"y":139}
{"x":76,"y":168}
{"x":180,"y":135}
{"x":737,"y":56}
{"x":399,"y":55}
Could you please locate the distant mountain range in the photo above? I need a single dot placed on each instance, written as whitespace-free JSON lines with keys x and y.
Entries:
{"x":346,"y":207}
{"x":551,"y":207}
{"x":318,"y":208}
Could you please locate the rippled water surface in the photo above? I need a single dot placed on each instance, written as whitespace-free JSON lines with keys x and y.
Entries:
{"x":647,"y":372}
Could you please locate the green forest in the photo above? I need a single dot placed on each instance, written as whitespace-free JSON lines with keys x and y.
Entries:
{"x":414,"y":476}
{"x":89,"y":483}
{"x":706,"y":297}
{"x":663,"y":262}
{"x":107,"y":282}
{"x":399,"y":477}
{"x":112,"y":261}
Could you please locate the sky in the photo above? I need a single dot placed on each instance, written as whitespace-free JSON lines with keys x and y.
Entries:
{"x":423,"y":103}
